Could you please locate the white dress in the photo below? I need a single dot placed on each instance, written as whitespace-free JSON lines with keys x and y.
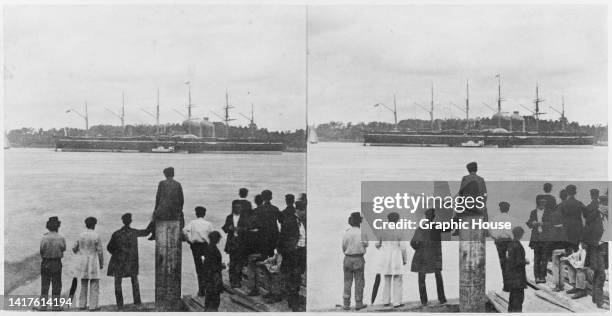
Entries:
{"x":89,"y":255}
{"x":393,"y":254}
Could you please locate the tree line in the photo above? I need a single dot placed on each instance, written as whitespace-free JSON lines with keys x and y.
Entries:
{"x":30,"y":137}
{"x":339,"y":131}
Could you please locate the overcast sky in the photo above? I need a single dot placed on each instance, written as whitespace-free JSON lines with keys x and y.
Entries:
{"x":360,"y":56}
{"x":58,"y":57}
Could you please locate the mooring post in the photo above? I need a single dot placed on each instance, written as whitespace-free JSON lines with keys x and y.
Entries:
{"x":168,"y":255}
{"x":472,"y":277}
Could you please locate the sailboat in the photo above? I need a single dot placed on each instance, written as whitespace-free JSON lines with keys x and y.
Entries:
{"x":312,"y":135}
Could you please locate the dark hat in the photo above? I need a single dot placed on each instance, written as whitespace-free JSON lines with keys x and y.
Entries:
{"x":570,"y":189}
{"x":169,"y":172}
{"x":53,"y":220}
{"x":356,"y":216}
{"x":472,"y":167}
{"x":266,"y":195}
{"x":504,"y":206}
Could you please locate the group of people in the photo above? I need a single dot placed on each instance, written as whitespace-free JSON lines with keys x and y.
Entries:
{"x":568,"y":233}
{"x":257,"y":237}
{"x":427,"y":259}
{"x":392,"y":253}
{"x":89,"y":261}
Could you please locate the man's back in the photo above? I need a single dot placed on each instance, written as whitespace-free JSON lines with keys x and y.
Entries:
{"x":169,"y":200}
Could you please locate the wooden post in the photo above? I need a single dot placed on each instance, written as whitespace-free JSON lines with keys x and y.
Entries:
{"x":168,"y":255}
{"x":472,"y":278}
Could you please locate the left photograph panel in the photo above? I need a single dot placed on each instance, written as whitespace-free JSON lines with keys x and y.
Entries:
{"x":155,"y":158}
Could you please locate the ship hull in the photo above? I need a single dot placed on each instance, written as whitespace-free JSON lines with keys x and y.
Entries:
{"x":180,"y":146}
{"x":489,"y":140}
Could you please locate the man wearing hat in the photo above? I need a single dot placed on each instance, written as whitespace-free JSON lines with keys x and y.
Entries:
{"x":123,"y":248}
{"x":474,"y":185}
{"x":52,"y":247}
{"x":502,"y":237}
{"x":354,"y":263}
{"x":168,"y":201}
{"x":593,"y":224}
{"x":572,"y":211}
{"x":539,"y":222}
{"x":551,"y":202}
{"x":265,"y":222}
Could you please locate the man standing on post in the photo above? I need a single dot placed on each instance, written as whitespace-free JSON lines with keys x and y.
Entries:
{"x":52,"y":247}
{"x":196,"y":232}
{"x":168,"y":201}
{"x":123,"y":248}
{"x":474,"y":185}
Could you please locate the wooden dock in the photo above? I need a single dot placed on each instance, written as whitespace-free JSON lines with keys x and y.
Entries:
{"x":237,"y":300}
{"x":452,"y":306}
{"x":540,"y":298}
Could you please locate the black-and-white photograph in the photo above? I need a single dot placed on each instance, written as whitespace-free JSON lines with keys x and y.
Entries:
{"x":444,"y":93}
{"x":154,"y":157}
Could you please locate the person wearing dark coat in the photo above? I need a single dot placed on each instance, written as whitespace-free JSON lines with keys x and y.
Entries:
{"x":572,"y":211}
{"x":265,"y":224}
{"x":594,"y":260}
{"x":502,"y":238}
{"x":540,"y":223}
{"x":287,"y":247}
{"x":254,"y":247}
{"x":593,"y":223}
{"x":123,"y":247}
{"x":428,"y":257}
{"x":247,"y":207}
{"x":235,"y":227}
{"x":557,"y":243}
{"x":551,"y":202}
{"x":516,"y":280}
{"x":169,"y":201}
{"x":474,"y":185}
{"x":213,"y":266}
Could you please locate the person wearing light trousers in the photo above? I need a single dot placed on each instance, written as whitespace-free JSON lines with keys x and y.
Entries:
{"x":91,"y":261}
{"x":393,"y":250}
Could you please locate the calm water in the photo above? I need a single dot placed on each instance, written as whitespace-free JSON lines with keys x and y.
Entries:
{"x":40,"y":183}
{"x":335,"y":171}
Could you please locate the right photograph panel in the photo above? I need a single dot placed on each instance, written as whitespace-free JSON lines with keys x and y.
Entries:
{"x":457,"y":158}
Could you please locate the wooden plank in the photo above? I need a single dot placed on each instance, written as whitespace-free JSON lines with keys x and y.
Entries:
{"x":168,"y":256}
{"x":472,"y":271}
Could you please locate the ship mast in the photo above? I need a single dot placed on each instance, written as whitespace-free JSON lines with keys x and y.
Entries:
{"x":189,"y":105}
{"x":537,"y":112}
{"x":431,"y":112}
{"x":395,"y":112}
{"x":251,"y":120}
{"x":227,"y":118}
{"x":562,"y":112}
{"x":122,"y":115}
{"x":499,"y":101}
{"x":156,"y":115}
{"x":467,"y":104}
{"x":84,"y":117}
